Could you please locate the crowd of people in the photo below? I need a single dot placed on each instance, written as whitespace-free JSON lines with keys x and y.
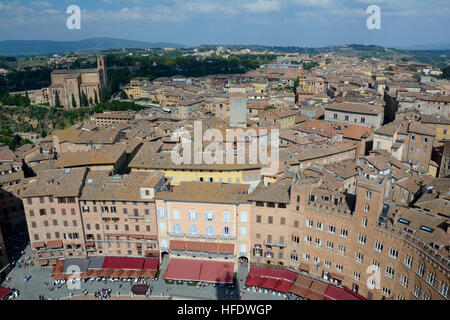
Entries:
{"x":103,"y":294}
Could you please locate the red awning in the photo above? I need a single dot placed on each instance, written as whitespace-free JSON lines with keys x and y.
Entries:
{"x":148,"y":274}
{"x":123,"y":263}
{"x":271,"y":278}
{"x":357,"y":295}
{"x":337,"y":276}
{"x":335,"y":293}
{"x":269,"y":283}
{"x":176,"y":245}
{"x":58,"y":267}
{"x":43,"y":262}
{"x":150,"y":264}
{"x":38,"y":244}
{"x":283,"y":286}
{"x":227,"y":248}
{"x":183,"y":269}
{"x":52,"y":244}
{"x":200,"y":270}
{"x":193,"y":246}
{"x":217,"y":272}
{"x":90,"y":243}
{"x":304,"y":267}
{"x":210,"y":247}
{"x":253,"y":281}
{"x":4,"y":292}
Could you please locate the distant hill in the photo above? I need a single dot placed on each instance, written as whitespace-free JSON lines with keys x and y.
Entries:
{"x":44,"y":47}
{"x":433,"y":46}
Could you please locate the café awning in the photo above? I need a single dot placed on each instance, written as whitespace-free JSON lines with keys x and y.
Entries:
{"x":150,"y":264}
{"x":177,"y":245}
{"x":183,"y":269}
{"x":193,"y":246}
{"x":123,"y":263}
{"x":217,"y":272}
{"x":4,"y":292}
{"x":226,"y":248}
{"x":54,"y":244}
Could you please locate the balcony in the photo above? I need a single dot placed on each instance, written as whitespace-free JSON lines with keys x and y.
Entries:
{"x":273,"y":244}
{"x":136,"y":217}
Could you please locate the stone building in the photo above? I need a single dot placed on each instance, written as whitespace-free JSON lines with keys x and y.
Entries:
{"x":73,"y":83}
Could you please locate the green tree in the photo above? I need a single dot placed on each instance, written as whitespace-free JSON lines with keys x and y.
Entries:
{"x":90,"y":101}
{"x":27,"y":99}
{"x":96,"y":98}
{"x":446,"y":72}
{"x":57,"y":102}
{"x":74,"y":104}
{"x":123,"y":95}
{"x":84,"y":100}
{"x":411,"y":68}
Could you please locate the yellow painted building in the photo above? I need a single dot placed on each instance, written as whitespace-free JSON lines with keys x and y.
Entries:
{"x":133,"y":91}
{"x":440,"y":124}
{"x":241,"y":175}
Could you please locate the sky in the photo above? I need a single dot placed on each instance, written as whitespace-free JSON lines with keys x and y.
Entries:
{"x":311,"y":23}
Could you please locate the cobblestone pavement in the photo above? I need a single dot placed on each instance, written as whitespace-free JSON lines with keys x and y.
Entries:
{"x":35,"y":287}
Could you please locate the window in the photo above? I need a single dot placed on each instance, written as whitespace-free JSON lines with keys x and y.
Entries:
{"x":42,"y":212}
{"x":282,"y":220}
{"x":342,"y":250}
{"x":226,"y":217}
{"x":339,"y":267}
{"x":162,"y":226}
{"x":364,"y":222}
{"x":319,"y":225}
{"x":243,"y":231}
{"x":378,"y":246}
{"x":356,"y":275}
{"x":389,"y":272}
{"x":431,"y":278}
{"x":258,"y":219}
{"x":376,"y":263}
{"x":318,"y":242}
{"x":359,"y":257}
{"x":393,"y":253}
{"x":308,"y":239}
{"x":193,"y":215}
{"x":344,"y":233}
{"x":362,"y":239}
{"x":244,"y":216}
{"x":386,"y":292}
{"x":306,"y":256}
{"x":416,"y":291}
{"x":176,"y":214}
{"x":209,"y":216}
{"x":226,"y":231}
{"x":309,"y":223}
{"x":270,"y":220}
{"x":161,"y":212}
{"x":404,"y":281}
{"x":366,"y":208}
{"x":177,"y":228}
{"x":335,"y":116}
{"x":331,"y":229}
{"x":330,"y":245}
{"x":363,"y":120}
{"x":209,"y":230}
{"x":443,"y":289}
{"x":368,"y":195}
{"x":408,"y":261}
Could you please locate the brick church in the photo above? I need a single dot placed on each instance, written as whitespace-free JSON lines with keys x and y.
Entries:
{"x":74,"y":83}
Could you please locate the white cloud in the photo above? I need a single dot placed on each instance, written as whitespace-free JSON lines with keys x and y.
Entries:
{"x":41,"y":4}
{"x":262,"y":6}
